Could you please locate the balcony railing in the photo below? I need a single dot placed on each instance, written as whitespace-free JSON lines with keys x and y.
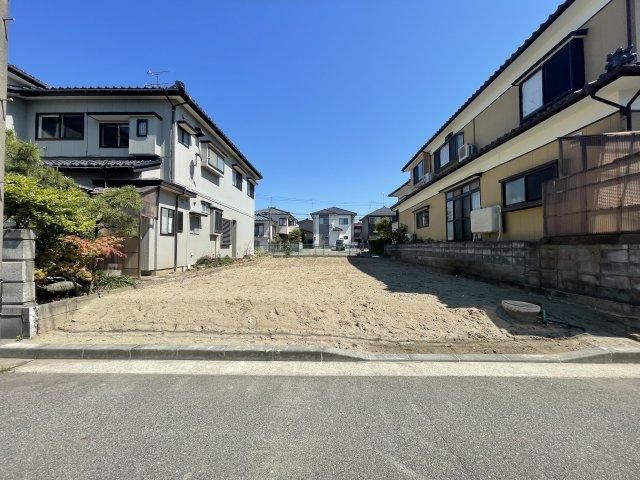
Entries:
{"x":598,"y":191}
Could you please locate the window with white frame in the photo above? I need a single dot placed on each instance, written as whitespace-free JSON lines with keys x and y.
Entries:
{"x":205,"y":207}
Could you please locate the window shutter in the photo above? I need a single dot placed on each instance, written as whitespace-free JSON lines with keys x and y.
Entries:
{"x":226,"y":233}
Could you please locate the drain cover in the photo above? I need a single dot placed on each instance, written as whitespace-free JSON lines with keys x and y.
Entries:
{"x":519,"y":309}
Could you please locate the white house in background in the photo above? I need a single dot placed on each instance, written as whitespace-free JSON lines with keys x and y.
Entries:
{"x":198,"y":188}
{"x":332,"y":224}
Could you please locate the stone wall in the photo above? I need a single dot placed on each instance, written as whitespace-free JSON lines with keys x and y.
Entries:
{"x":606,"y":275}
{"x":18,"y":287}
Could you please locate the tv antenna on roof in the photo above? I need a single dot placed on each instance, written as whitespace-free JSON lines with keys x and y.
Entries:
{"x":156,"y":73}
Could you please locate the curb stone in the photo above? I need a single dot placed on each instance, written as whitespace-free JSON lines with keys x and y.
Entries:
{"x":309,"y":354}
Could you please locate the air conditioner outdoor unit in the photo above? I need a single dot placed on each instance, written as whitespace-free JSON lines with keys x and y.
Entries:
{"x":466,"y":151}
{"x":485,"y":220}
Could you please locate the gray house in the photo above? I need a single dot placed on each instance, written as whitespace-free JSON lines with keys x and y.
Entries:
{"x":198,"y":188}
{"x":370,"y":219}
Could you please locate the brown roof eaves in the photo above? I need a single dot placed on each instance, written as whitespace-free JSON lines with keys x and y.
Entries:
{"x":605,"y":79}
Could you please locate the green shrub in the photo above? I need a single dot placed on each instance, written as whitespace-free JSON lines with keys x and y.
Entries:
{"x":210,"y":261}
{"x":109,"y":282}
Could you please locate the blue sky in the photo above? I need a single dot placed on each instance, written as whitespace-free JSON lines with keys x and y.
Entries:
{"x":327,"y":98}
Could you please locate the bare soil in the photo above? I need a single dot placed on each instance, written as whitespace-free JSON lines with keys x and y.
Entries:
{"x":370,"y":304}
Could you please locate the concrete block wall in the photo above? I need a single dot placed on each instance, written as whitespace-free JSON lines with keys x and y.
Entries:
{"x":610,"y":272}
{"x":18,"y":286}
{"x":599,"y":272}
{"x":502,"y":261}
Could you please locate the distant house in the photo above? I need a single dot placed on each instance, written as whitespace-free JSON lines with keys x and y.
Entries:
{"x":264,"y":231}
{"x":370,"y":219}
{"x":306,"y":228}
{"x":285,"y":222}
{"x":357,"y":233}
{"x":332,"y":224}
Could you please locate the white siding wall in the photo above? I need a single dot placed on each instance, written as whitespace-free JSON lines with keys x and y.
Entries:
{"x":217,"y":191}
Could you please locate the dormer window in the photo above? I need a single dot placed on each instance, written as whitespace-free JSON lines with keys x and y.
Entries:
{"x":559,"y":75}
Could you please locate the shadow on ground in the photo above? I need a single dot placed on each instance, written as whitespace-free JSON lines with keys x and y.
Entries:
{"x":456,"y":292}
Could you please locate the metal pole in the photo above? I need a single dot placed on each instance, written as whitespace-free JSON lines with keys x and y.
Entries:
{"x":4,"y":36}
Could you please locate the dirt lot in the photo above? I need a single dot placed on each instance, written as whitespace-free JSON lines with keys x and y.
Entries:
{"x":356,"y":303}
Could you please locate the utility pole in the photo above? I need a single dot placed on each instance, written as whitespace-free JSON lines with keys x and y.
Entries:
{"x":4,"y":36}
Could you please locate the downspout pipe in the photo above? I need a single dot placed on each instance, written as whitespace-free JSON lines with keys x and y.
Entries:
{"x":624,"y":109}
{"x":175,"y":234}
{"x":172,"y":160}
{"x":172,"y":176}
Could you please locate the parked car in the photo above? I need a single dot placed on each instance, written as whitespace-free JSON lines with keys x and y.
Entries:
{"x":339,"y":244}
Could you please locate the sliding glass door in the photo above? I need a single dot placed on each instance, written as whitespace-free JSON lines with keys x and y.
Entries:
{"x":460,"y":202}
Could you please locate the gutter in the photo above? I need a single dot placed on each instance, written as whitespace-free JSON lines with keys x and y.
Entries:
{"x":172,"y":159}
{"x":624,"y":109}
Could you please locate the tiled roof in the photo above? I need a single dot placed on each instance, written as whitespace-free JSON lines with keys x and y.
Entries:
{"x":604,"y":79}
{"x":176,"y":89}
{"x":274,"y":211}
{"x":18,"y":72}
{"x":333,"y":211}
{"x":135,"y":163}
{"x":381,"y":212}
{"x":263,"y":218}
{"x":541,"y":29}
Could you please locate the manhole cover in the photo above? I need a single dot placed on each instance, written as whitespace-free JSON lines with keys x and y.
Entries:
{"x":522,"y":310}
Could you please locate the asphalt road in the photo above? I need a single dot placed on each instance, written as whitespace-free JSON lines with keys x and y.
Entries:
{"x":119,"y":425}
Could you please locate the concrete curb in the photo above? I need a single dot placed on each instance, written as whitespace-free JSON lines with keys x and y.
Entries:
{"x":309,"y":354}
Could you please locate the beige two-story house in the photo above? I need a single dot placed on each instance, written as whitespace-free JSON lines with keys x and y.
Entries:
{"x":198,"y":188}
{"x":533,"y":131}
